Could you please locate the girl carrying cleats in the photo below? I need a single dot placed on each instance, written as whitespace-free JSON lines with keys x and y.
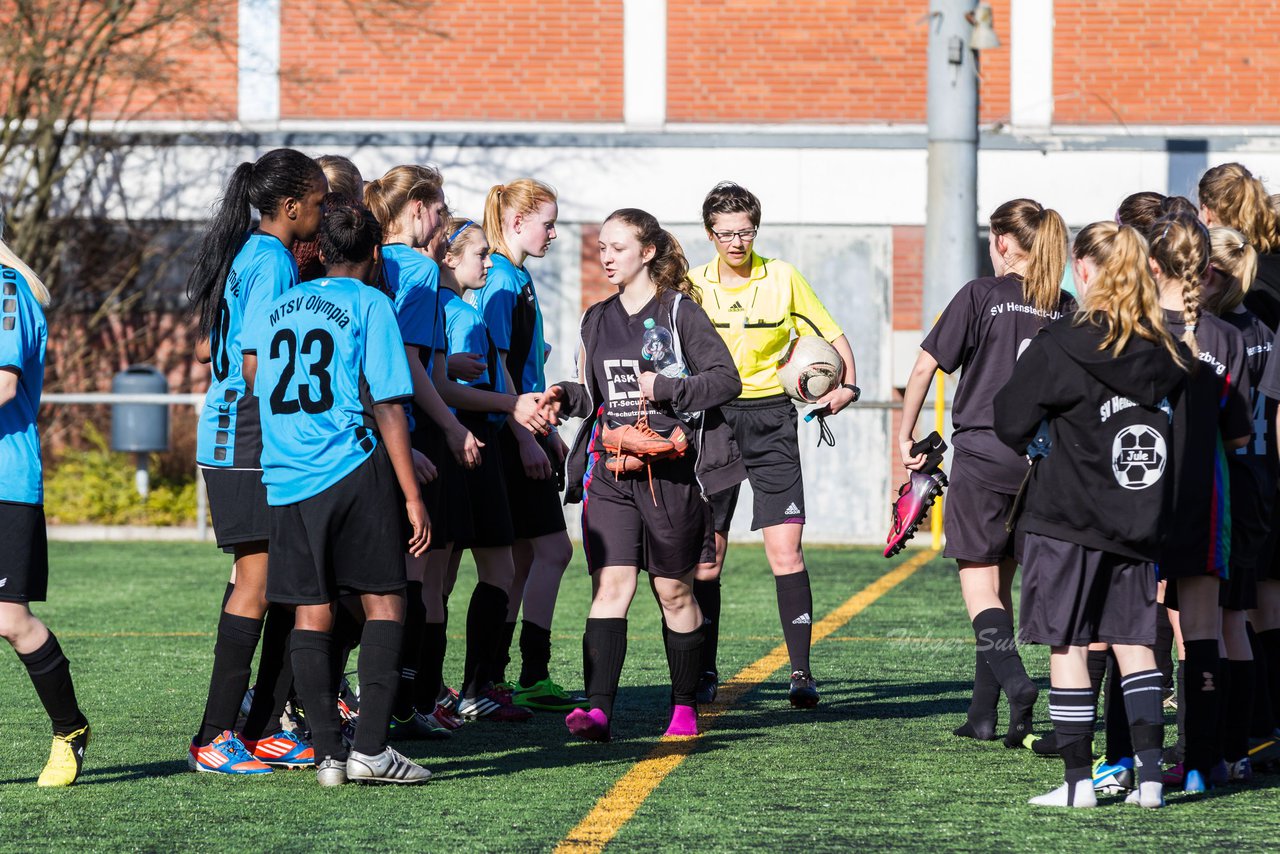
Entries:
{"x":917,"y":495}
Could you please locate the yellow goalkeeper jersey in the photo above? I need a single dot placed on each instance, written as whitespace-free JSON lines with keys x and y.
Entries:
{"x":757,"y":318}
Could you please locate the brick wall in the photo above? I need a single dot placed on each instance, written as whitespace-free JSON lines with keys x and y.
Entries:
{"x":557,"y":60}
{"x":809,"y":61}
{"x":1210,"y":62}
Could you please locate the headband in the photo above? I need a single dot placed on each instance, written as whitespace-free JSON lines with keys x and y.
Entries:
{"x":461,"y":228}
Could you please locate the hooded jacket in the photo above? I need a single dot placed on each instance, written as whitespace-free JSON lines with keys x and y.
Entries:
{"x":1107,"y":484}
{"x":713,"y":380}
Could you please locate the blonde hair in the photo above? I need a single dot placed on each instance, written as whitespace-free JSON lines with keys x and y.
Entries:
{"x":460,"y":233}
{"x":343,"y":176}
{"x":1042,"y":234}
{"x":387,"y":196}
{"x":37,"y":287}
{"x":1238,"y":261}
{"x":1123,"y":292}
{"x":1240,"y":201}
{"x":1179,"y":243}
{"x":522,"y":196}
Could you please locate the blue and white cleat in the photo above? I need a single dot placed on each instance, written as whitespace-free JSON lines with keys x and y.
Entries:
{"x":1113,"y":779}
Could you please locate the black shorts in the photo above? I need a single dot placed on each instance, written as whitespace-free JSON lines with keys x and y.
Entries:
{"x":765,"y":429}
{"x":350,"y":538}
{"x":623,"y":526}
{"x":24,"y":553}
{"x":973,"y":521}
{"x":1268,"y":568}
{"x":446,"y":497}
{"x":1075,"y":596}
{"x":488,"y":513}
{"x":1250,"y":529}
{"x":238,"y":506}
{"x":535,"y":504}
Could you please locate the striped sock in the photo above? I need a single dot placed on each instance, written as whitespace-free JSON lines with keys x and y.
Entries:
{"x":1073,"y":712}
{"x":1143,"y":692}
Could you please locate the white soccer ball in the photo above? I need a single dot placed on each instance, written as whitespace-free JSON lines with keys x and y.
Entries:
{"x":1138,"y":456}
{"x":809,"y":369}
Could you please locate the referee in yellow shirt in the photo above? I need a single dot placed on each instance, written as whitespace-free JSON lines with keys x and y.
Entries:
{"x":756,"y":304}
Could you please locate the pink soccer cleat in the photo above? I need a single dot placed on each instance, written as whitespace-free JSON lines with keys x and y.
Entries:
{"x":917,"y":495}
{"x":591,"y":724}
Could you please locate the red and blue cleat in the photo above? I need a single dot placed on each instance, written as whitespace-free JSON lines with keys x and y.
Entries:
{"x":282,"y":750}
{"x":917,"y":495}
{"x":226,"y":754}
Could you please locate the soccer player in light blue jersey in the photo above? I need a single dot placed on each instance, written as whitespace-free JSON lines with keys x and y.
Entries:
{"x":24,"y":571}
{"x":329,"y":364}
{"x":239,"y":271}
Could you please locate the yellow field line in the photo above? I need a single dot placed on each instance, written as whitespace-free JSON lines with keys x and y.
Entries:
{"x":620,"y":803}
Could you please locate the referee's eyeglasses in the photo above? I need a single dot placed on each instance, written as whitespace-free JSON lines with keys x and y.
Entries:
{"x":746,"y":235}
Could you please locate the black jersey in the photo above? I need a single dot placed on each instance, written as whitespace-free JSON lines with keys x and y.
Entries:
{"x":982,"y":332}
{"x":1215,"y":408}
{"x":1263,"y":298}
{"x":617,"y":364}
{"x":1259,"y":456}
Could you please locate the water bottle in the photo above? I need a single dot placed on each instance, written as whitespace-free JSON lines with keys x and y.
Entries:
{"x":656,"y":346}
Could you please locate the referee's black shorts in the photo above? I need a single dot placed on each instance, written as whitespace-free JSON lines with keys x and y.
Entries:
{"x":765,"y":429}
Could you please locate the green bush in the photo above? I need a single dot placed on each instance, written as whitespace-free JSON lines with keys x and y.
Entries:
{"x":95,"y":486}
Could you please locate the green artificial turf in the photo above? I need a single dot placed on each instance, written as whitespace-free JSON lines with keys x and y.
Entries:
{"x":875,"y":766}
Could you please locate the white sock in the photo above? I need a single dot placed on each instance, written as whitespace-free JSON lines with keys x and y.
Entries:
{"x":1149,"y":795}
{"x":1077,"y":795}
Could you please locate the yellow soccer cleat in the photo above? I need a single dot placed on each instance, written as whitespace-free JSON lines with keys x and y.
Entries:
{"x":66,"y":758}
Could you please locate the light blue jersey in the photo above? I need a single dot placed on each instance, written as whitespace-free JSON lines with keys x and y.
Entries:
{"x":328,"y":351}
{"x":229,"y":434}
{"x":23,"y":336}
{"x":414,"y":280}
{"x":509,"y":305}
{"x":466,"y":332}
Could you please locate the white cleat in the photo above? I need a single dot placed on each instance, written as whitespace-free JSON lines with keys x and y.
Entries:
{"x":1078,"y":795}
{"x":1149,"y":795}
{"x":331,"y":772}
{"x":387,"y":767}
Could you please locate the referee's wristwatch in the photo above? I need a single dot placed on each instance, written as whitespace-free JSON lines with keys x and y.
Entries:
{"x":857,"y":392}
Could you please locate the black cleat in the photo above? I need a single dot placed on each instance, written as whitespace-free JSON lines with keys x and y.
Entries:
{"x":708,"y":684}
{"x":804,"y":691}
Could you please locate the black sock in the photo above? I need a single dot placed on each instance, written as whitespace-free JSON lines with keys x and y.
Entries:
{"x":1260,"y":724}
{"x":994,"y":629}
{"x":1220,"y":725}
{"x":1096,"y":661}
{"x":348,"y":623}
{"x":535,"y":651}
{"x":275,"y":675}
{"x":981,"y":723}
{"x":1143,"y":697}
{"x":502,"y":655}
{"x":1073,"y":711}
{"x":415,"y":623}
{"x":426,"y":687}
{"x":1203,"y":691}
{"x":684,"y":660}
{"x":1270,"y":641}
{"x":485,"y":618}
{"x":50,"y":673}
{"x":708,"y":595}
{"x":795,"y":607}
{"x":1239,"y":710}
{"x":1115,"y":712}
{"x":1164,"y":649}
{"x":312,"y":654}
{"x":379,"y":670}
{"x":232,"y":658}
{"x":604,"y":648}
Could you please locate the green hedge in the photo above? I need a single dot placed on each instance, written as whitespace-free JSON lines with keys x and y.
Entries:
{"x":95,"y":487}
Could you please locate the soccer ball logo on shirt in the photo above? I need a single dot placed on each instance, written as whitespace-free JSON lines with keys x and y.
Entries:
{"x":1138,"y":456}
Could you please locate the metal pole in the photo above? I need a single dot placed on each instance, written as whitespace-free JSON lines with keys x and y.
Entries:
{"x":950,"y":231}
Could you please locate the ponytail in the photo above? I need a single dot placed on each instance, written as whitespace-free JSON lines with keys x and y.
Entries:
{"x":1041,"y":233}
{"x":388,"y":196}
{"x":1122,"y":297}
{"x":668,"y":269}
{"x":1239,"y":200}
{"x":1237,"y":261}
{"x":278,"y":175}
{"x":521,"y":196}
